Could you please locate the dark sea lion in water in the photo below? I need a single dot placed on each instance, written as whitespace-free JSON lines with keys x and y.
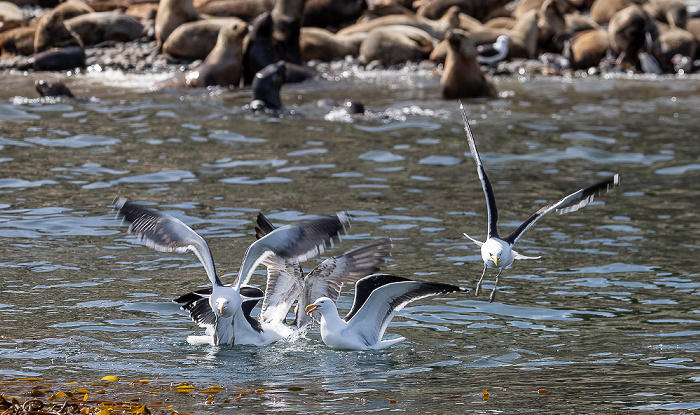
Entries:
{"x":52,"y":89}
{"x":462,"y":77}
{"x":266,"y":87}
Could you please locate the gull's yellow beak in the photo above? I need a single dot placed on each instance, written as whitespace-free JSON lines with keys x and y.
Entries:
{"x":311,"y":308}
{"x":495,"y":260}
{"x":221,"y":309}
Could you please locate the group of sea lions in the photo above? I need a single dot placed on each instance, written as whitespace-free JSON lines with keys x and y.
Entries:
{"x":271,"y":42}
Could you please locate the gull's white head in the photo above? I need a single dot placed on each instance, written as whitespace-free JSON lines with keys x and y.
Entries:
{"x":321,"y":305}
{"x":224,"y":306}
{"x":491,"y":252}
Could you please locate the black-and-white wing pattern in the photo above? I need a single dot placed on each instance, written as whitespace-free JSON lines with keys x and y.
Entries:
{"x":570,"y":203}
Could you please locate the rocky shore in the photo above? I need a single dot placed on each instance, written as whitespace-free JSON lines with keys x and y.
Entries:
{"x":227,"y":42}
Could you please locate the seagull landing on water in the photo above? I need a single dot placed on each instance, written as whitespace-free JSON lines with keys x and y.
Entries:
{"x":230,"y":304}
{"x":498,"y":252}
{"x":378,"y":298}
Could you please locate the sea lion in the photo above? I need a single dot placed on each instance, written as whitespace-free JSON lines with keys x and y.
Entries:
{"x":478,"y":9}
{"x":436,"y":29}
{"x":266,"y":87}
{"x":332,"y":13}
{"x":506,"y":23}
{"x":243,"y":9}
{"x":462,"y":77}
{"x":195,"y":40}
{"x":260,"y":50}
{"x":10,"y":16}
{"x":17,"y":41}
{"x":603,"y":10}
{"x":223,"y":66}
{"x":586,"y":49}
{"x":72,"y":8}
{"x":628,"y":32}
{"x":57,"y":59}
{"x":51,"y":32}
{"x":375,"y":10}
{"x":98,"y":27}
{"x":286,"y":26}
{"x":672,"y":12}
{"x":550,"y":23}
{"x":676,"y":41}
{"x":323,"y":45}
{"x":170,"y":15}
{"x":52,"y":89}
{"x":396,"y":44}
{"x":693,"y":26}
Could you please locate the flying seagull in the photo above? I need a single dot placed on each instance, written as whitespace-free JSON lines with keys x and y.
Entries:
{"x":498,"y":252}
{"x":378,"y":298}
{"x":286,"y":284}
{"x":299,"y":242}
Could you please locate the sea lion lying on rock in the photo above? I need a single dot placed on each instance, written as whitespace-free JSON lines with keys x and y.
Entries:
{"x":195,"y":40}
{"x":98,"y":27}
{"x":17,"y":41}
{"x":56,"y":59}
{"x":223,"y":66}
{"x":396,"y":44}
{"x":323,"y":45}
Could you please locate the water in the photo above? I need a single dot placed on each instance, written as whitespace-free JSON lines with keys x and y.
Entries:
{"x":607,"y":320}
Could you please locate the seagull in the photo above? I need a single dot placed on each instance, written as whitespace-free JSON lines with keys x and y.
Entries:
{"x":285,"y":283}
{"x":498,"y":252}
{"x":165,"y":233}
{"x":378,"y":298}
{"x":495,"y":52}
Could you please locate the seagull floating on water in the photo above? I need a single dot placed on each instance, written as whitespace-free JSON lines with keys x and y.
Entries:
{"x":378,"y":298}
{"x":231,"y":304}
{"x":498,"y":252}
{"x":286,"y":284}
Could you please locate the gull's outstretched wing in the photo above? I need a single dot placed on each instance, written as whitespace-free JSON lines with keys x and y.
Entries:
{"x":285,"y":280}
{"x":165,"y":233}
{"x":327,"y":279}
{"x":384,"y":302}
{"x":485,"y":184}
{"x":292,"y":242}
{"x":570,"y":203}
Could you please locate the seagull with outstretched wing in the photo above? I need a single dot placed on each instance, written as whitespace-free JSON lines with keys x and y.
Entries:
{"x":498,"y":252}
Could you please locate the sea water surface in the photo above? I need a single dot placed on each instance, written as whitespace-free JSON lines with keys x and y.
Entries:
{"x":608,"y":320}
